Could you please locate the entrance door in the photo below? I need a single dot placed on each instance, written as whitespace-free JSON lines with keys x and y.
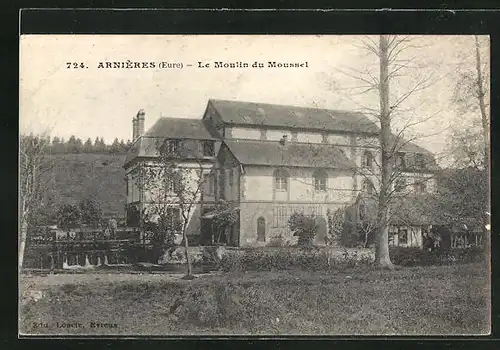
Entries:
{"x":261,"y":229}
{"x":206,"y":232}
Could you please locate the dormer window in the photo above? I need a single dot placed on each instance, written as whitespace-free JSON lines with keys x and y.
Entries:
{"x":208,"y":148}
{"x":281,"y":180}
{"x":172,"y":146}
{"x":320,"y":177}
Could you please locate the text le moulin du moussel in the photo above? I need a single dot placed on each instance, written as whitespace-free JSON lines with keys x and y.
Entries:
{"x":200,"y":64}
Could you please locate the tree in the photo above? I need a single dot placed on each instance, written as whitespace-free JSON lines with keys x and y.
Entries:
{"x":224,"y":219}
{"x":56,"y":145}
{"x":68,"y":217}
{"x":303,"y":226}
{"x":91,"y":212}
{"x":115,"y":146}
{"x":336,"y":225}
{"x":33,"y":162}
{"x":173,"y":188}
{"x":381,"y":174}
{"x":123,"y":146}
{"x":74,"y":145}
{"x":87,"y":146}
{"x":470,"y":145}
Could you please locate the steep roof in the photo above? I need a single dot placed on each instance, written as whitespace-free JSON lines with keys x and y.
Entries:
{"x":164,"y":128}
{"x":272,"y":115}
{"x":268,"y":153}
{"x":143,"y":147}
{"x":180,"y":128}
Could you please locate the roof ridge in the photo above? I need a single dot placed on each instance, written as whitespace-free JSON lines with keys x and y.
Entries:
{"x":286,"y":105}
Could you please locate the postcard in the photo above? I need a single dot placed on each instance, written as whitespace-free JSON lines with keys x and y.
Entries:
{"x":271,"y":185}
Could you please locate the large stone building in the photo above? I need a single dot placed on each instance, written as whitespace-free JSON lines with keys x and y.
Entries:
{"x":269,"y":161}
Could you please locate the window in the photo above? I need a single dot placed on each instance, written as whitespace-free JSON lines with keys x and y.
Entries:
{"x":400,"y":160}
{"x":320,"y":180}
{"x":400,"y":184}
{"x":172,"y":146}
{"x":263,"y":134}
{"x":362,"y":211}
{"x":280,"y":216}
{"x":402,"y":237}
{"x":172,"y":185}
{"x":367,"y":159}
{"x":231,"y":178}
{"x":419,"y":160}
{"x":174,"y":219}
{"x":261,"y":229}
{"x":281,"y":180}
{"x":127,"y":186}
{"x":208,"y":148}
{"x":324,"y":138}
{"x":368,"y":187}
{"x":208,"y":184}
{"x":420,"y":187}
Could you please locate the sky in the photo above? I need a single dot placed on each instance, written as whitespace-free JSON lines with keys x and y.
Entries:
{"x":92,"y":101}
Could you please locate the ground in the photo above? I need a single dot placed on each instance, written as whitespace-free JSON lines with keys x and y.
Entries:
{"x":417,"y":300}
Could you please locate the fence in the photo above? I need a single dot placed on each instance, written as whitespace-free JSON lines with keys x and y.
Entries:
{"x":85,"y":248}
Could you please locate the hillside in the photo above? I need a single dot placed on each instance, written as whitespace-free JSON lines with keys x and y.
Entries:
{"x":73,"y":177}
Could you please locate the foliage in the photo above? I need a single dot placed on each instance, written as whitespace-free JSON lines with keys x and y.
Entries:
{"x":420,"y":257}
{"x":91,"y":212}
{"x":303,"y":226}
{"x":75,"y":145}
{"x":462,"y":195}
{"x":33,"y":165}
{"x":268,"y":259}
{"x":278,"y":241}
{"x":68,"y":217}
{"x":224,"y":219}
{"x":336,"y":225}
{"x":76,"y":177}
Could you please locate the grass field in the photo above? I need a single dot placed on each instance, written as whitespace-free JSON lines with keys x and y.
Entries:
{"x":430,"y":300}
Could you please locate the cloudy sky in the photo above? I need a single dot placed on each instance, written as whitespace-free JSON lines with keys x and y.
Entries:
{"x":92,"y":101}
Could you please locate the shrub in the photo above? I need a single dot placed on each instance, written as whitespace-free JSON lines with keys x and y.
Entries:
{"x":418,"y":257}
{"x":304,"y":227}
{"x":278,"y":241}
{"x":313,"y":259}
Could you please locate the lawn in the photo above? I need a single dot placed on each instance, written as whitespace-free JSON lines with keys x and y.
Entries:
{"x":418,"y":300}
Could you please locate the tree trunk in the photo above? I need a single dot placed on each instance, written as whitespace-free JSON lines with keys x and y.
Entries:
{"x":22,"y":243}
{"x":486,"y":162}
{"x":186,"y":247}
{"x":382,"y":258}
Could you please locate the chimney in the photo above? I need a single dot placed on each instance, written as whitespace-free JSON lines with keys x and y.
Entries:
{"x":134,"y":129}
{"x":140,"y":122}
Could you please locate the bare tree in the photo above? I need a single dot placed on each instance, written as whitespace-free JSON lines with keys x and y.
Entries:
{"x":33,"y":151}
{"x":172,"y":182}
{"x":470,"y":146}
{"x":471,"y":94}
{"x":396,"y":89}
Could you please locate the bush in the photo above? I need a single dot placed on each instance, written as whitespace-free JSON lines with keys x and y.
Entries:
{"x":313,"y":259}
{"x":304,"y":227}
{"x":419,"y":257}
